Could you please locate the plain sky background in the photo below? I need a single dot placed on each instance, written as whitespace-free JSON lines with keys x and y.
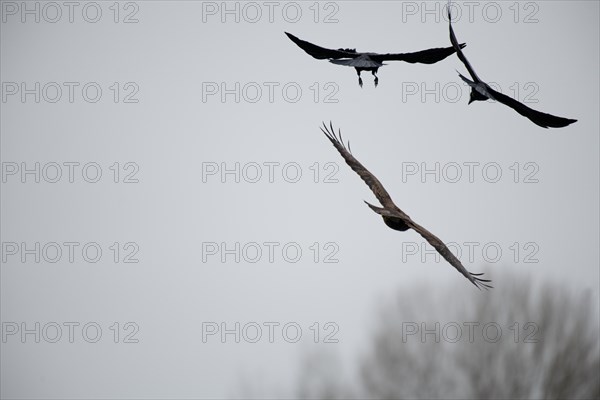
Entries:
{"x":175,"y":55}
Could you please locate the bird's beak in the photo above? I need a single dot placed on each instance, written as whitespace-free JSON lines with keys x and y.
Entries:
{"x":471,"y":100}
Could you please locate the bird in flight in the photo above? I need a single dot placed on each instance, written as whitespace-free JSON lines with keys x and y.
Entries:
{"x":393,"y":216}
{"x":481,"y":91}
{"x":370,"y":61}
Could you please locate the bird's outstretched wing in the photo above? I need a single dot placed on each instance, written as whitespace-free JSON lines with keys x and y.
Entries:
{"x":319,"y":52}
{"x":537,"y":117}
{"x":436,"y":242}
{"x":459,"y":52}
{"x":392,"y":211}
{"x":448,"y":256}
{"x":430,"y":56}
{"x":376,"y":187}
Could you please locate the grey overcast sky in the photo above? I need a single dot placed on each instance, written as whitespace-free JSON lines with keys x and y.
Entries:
{"x":164,"y":177}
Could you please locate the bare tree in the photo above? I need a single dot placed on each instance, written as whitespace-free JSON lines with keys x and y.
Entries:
{"x":513,"y":342}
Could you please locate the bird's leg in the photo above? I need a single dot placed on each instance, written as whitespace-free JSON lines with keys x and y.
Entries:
{"x":376,"y":78}
{"x":360,"y":83}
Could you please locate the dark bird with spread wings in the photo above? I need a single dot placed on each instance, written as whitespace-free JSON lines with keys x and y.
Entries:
{"x":393,"y":216}
{"x":481,"y":91}
{"x":370,"y":62}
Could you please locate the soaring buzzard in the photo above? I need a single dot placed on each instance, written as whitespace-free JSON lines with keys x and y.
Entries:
{"x":393,"y":216}
{"x":370,"y":61}
{"x":482,"y":91}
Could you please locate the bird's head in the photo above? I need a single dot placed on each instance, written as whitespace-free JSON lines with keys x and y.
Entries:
{"x":472,"y":97}
{"x":476,"y":96}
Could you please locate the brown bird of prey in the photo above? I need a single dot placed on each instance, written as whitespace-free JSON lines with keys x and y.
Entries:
{"x":370,"y":61}
{"x":393,"y":216}
{"x":481,"y":91}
